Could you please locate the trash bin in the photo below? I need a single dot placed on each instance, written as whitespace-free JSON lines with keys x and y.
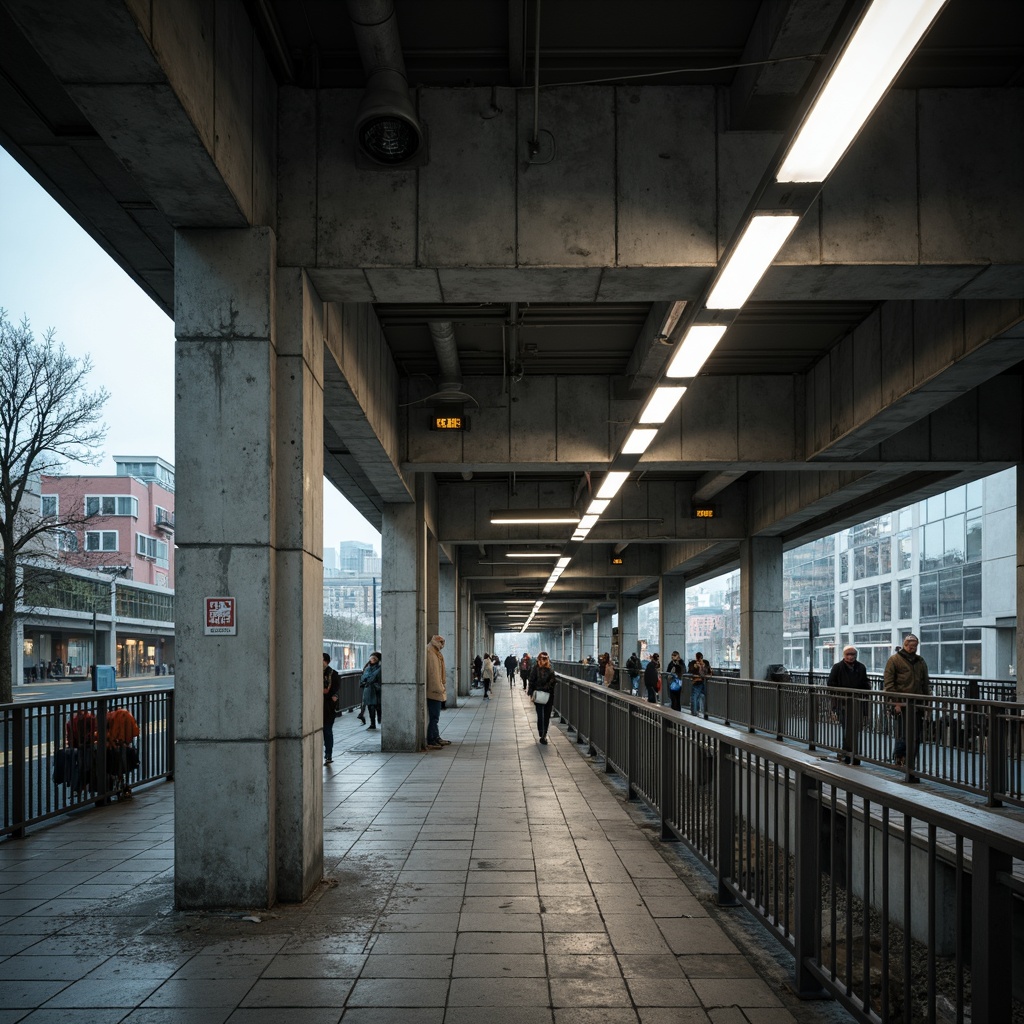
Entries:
{"x":778,"y":674}
{"x":104,"y":677}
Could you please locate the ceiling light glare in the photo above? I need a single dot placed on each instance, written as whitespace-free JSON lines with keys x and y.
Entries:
{"x":660,"y":405}
{"x":758,"y":246}
{"x":580,"y":535}
{"x":520,"y":517}
{"x":597,"y":506}
{"x":877,"y":50}
{"x":531,"y":554}
{"x":562,"y":562}
{"x":611,"y":484}
{"x":639,"y":440}
{"x":693,"y":351}
{"x":587,"y":523}
{"x":548,"y":587}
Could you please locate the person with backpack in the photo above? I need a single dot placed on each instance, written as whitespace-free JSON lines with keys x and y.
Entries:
{"x":634,"y":668}
{"x":699,"y":671}
{"x":675,"y":681}
{"x":524,"y":668}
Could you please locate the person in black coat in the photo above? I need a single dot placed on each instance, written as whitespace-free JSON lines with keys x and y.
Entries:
{"x":849,"y":674}
{"x":651,"y":674}
{"x":332,"y":687}
{"x":542,"y":680}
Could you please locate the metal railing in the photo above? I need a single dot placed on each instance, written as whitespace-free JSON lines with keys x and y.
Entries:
{"x":69,"y":737}
{"x":972,"y":745}
{"x":942,"y":686}
{"x":896,"y":902}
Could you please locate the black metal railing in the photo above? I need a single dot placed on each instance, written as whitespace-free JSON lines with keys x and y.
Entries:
{"x":895,"y":902}
{"x":56,"y":757}
{"x":974,"y":745}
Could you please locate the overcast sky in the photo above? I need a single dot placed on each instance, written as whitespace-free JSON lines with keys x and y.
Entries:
{"x":53,"y":273}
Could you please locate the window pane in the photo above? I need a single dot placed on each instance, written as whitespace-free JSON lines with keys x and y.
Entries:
{"x":974,"y":494}
{"x":952,"y":659}
{"x":886,"y":610}
{"x":950,"y":593}
{"x":936,"y":508}
{"x":906,"y":599}
{"x":974,"y":539}
{"x":872,"y":608}
{"x":871,"y":560}
{"x":953,"y":552}
{"x":92,"y":541}
{"x":929,"y":596}
{"x":844,"y":609}
{"x":906,"y":518}
{"x":972,"y":595}
{"x":885,"y":557}
{"x":972,"y":659}
{"x":956,"y":500}
{"x":108,"y":506}
{"x":906,"y":552}
{"x":931,"y":546}
{"x":92,"y":506}
{"x":109,"y":540}
{"x":858,"y":607}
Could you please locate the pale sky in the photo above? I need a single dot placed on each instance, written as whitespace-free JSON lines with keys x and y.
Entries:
{"x":52,"y":272}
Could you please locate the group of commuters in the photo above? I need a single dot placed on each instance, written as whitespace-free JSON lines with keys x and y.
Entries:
{"x":369,"y":684}
{"x":904,"y":678}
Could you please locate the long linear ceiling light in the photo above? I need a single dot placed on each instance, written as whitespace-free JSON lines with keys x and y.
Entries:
{"x":660,"y":405}
{"x":613,"y":480}
{"x":520,"y":517}
{"x":639,"y":440}
{"x":532,"y":554}
{"x":698,"y":343}
{"x":759,"y":244}
{"x":876,"y":53}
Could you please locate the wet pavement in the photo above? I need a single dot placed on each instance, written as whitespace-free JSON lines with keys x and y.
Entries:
{"x":495,"y":880}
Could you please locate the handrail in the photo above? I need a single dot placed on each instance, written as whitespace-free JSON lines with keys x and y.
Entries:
{"x":970,"y":744}
{"x":841,"y":866}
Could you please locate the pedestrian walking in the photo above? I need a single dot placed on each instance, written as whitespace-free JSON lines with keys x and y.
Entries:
{"x":849,"y":674}
{"x":906,"y":678}
{"x":652,"y":679}
{"x":487,"y":675}
{"x":542,"y":689}
{"x":634,"y":668}
{"x":332,"y":688}
{"x":675,"y":681}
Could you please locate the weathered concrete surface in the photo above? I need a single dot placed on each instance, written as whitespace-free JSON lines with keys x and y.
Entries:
{"x":761,"y":605}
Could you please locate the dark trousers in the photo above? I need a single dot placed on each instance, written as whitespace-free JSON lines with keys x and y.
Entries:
{"x":433,"y":718}
{"x":372,"y":711}
{"x":851,"y":716}
{"x":328,"y":739}
{"x":907,"y":733}
{"x":675,"y":697}
{"x":652,"y":694}
{"x":543,"y":717}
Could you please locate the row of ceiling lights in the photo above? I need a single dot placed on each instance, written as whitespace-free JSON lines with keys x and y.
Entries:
{"x":877,"y":50}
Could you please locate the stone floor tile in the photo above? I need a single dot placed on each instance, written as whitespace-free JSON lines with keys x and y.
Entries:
{"x":662,"y":992}
{"x":100,"y":992}
{"x":179,"y":1015}
{"x":387,"y":965}
{"x":413,"y":943}
{"x":499,"y":965}
{"x":318,"y":965}
{"x":698,"y":965}
{"x":501,"y":905}
{"x":577,"y":942}
{"x":640,"y":965}
{"x":285,"y":992}
{"x":688,"y":1015}
{"x":94,"y":1015}
{"x":419,"y":922}
{"x":734,"y":992}
{"x":215,"y":966}
{"x":582,"y":965}
{"x":693,"y":935}
{"x":499,"y":992}
{"x":283,"y":1015}
{"x":386,"y":1015}
{"x":399,"y":992}
{"x":499,"y":942}
{"x":589,"y":1015}
{"x":589,"y":992}
{"x":497,"y":1015}
{"x":555,"y":922}
{"x":498,"y":922}
{"x":46,"y":968}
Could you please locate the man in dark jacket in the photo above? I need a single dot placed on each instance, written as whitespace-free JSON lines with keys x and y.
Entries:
{"x":651,"y":678}
{"x":849,"y":674}
{"x":511,"y":664}
{"x":332,"y":686}
{"x":906,"y":673}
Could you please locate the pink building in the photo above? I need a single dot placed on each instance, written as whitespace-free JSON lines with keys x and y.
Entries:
{"x":122,"y":523}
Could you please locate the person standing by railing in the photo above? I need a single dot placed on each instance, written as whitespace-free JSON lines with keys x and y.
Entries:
{"x":652,"y":679}
{"x":906,"y":673}
{"x":675,"y":681}
{"x":332,"y":687}
{"x":634,"y":668}
{"x":849,"y":674}
{"x":699,"y":671}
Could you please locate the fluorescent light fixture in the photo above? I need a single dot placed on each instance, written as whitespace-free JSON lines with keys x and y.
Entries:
{"x":759,"y":244}
{"x":874,"y":56}
{"x":597,"y":506}
{"x":548,"y":587}
{"x":639,"y":440}
{"x":660,"y":405}
{"x":519,"y":517}
{"x":693,"y":351}
{"x":580,"y":535}
{"x":563,"y":562}
{"x":587,"y":523}
{"x":613,"y":480}
{"x":531,"y":554}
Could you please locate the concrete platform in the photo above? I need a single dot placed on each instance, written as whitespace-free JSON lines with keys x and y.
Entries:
{"x":493,"y":881}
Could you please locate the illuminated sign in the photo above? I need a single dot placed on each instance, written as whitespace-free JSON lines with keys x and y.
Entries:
{"x":703,"y":512}
{"x":449,"y":421}
{"x":616,"y":559}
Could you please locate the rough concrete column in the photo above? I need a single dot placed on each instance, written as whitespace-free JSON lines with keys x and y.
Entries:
{"x":463,"y":675}
{"x":432,"y":587}
{"x":760,"y":605}
{"x":403,"y":631}
{"x":247,"y":452}
{"x":629,"y":637}
{"x":672,"y":617}
{"x":604,"y":629}
{"x":587,"y":622}
{"x":447,"y":627}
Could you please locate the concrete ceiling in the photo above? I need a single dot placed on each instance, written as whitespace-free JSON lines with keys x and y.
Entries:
{"x":589,"y":340}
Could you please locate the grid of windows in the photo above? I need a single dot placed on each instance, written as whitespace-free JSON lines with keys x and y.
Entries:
{"x":872,"y":604}
{"x":951,"y":650}
{"x":152,"y":547}
{"x":132,"y":603}
{"x":111,"y":505}
{"x":101,"y":540}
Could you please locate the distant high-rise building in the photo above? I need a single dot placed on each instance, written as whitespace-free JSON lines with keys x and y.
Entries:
{"x":330,"y":558}
{"x":356,"y":556}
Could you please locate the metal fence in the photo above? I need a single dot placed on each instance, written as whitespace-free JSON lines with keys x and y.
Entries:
{"x":56,"y":757}
{"x":973,"y":745}
{"x":898,"y":903}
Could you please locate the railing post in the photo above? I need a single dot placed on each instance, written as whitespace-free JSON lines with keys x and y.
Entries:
{"x":728,"y":694}
{"x":991,"y":924}
{"x":778,"y":711}
{"x":18,"y":772}
{"x":812,"y":717}
{"x":630,"y":745}
{"x":666,"y":772}
{"x":995,"y":761}
{"x":607,"y":729}
{"x":750,"y":705}
{"x":169,"y":729}
{"x":725,"y":798}
{"x":807,"y":888}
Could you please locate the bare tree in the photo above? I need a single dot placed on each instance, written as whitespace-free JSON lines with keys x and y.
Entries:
{"x":47,"y":419}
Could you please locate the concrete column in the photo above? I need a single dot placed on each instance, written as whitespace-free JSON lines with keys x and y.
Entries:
{"x":672,"y":617}
{"x":587,"y":641}
{"x":447,"y":627}
{"x":604,"y":629}
{"x":463,"y":675}
{"x":17,"y":654}
{"x":760,"y":605}
{"x":249,"y":466}
{"x":404,"y":635}
{"x":431,"y":593}
{"x":629,"y":637}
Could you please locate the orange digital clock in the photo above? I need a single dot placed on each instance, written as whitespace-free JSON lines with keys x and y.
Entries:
{"x":448,"y":422}
{"x":703,"y":512}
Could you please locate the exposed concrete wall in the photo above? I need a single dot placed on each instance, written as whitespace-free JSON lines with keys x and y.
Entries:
{"x":572,"y":230}
{"x":447,"y":626}
{"x":672,"y":622}
{"x":628,"y":636}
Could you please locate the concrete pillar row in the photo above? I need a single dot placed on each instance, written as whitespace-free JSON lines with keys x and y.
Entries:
{"x":447,"y":626}
{"x":249,"y":467}
{"x":462,"y":654}
{"x":671,"y":622}
{"x":404,"y":634}
{"x":760,"y":605}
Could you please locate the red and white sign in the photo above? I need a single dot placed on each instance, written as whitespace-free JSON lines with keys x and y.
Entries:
{"x":220,"y":617}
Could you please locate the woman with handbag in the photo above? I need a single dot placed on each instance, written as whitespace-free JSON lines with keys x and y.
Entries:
{"x":542,"y":690}
{"x":675,"y":681}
